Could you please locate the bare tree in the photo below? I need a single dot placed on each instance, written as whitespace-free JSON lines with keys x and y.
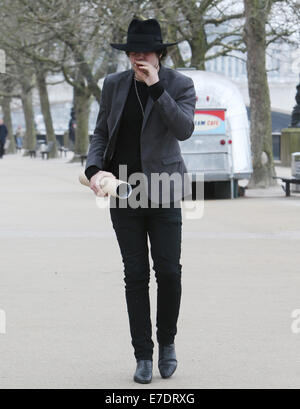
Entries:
{"x":74,"y":38}
{"x":211,"y":28}
{"x":259,"y":32}
{"x":25,"y":69}
{"x":6,"y":85}
{"x":19,"y":83}
{"x":80,"y":32}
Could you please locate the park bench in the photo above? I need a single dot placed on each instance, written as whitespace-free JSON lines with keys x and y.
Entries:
{"x":33,"y":152}
{"x":80,"y":157}
{"x":83,"y":158}
{"x":46,"y":149}
{"x":62,"y":150}
{"x":288,"y":182}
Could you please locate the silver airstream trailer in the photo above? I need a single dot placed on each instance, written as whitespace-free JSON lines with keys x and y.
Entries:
{"x":219,"y":149}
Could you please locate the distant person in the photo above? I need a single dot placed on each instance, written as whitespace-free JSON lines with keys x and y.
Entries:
{"x":19,"y":137}
{"x":72,"y":127}
{"x":3,"y":135}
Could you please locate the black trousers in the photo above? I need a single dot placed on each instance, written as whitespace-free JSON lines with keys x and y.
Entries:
{"x":1,"y":149}
{"x":163,"y":226}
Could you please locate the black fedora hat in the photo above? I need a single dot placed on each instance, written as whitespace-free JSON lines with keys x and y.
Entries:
{"x":143,"y":36}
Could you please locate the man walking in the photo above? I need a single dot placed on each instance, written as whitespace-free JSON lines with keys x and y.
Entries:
{"x":144,"y":112}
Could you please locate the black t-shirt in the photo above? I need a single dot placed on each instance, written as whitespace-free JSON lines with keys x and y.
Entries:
{"x":127,"y":150}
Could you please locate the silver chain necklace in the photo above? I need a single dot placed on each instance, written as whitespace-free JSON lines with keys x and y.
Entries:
{"x":138,"y":97}
{"x":137,"y":94}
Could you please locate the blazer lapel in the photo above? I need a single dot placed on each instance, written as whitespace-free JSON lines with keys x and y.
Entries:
{"x":122,"y":93}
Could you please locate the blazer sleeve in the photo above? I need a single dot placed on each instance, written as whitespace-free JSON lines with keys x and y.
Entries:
{"x":179,"y":114}
{"x":100,"y":138}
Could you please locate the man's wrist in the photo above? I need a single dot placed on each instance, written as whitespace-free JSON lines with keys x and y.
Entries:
{"x":156,"y":90}
{"x":91,"y":171}
{"x":153,"y":82}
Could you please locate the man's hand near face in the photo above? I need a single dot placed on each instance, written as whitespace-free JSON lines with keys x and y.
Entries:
{"x":147,"y":72}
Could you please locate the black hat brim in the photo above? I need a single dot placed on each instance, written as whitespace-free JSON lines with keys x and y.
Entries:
{"x":141,"y":47}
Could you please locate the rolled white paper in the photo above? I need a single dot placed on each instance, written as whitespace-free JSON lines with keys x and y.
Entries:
{"x":110,"y":185}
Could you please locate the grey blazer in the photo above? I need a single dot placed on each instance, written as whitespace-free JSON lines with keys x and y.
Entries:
{"x":167,"y":120}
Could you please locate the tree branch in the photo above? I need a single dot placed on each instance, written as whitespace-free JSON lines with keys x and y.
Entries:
{"x":221,"y":20}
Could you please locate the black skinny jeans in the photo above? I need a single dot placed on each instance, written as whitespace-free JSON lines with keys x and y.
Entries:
{"x":164,"y":228}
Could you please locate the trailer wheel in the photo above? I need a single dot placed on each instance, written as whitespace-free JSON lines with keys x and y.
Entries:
{"x":198,"y":190}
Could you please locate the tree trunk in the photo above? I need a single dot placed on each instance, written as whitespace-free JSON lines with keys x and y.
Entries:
{"x":176,"y":57}
{"x":257,"y":12}
{"x":5,"y":104}
{"x":198,"y":44}
{"x":82,"y":108}
{"x":167,"y":14}
{"x":30,"y":136}
{"x":46,"y":111}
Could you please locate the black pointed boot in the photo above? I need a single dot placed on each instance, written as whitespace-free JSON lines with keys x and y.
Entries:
{"x":143,"y":373}
{"x":167,"y":362}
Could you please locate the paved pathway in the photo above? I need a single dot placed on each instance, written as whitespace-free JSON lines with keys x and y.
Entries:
{"x":62,"y":292}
